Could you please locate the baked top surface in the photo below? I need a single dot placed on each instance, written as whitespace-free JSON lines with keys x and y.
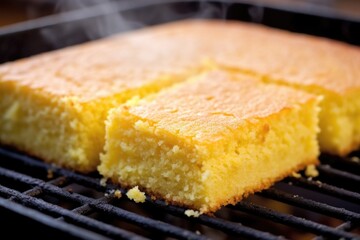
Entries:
{"x":296,"y":58}
{"x":207,"y":108}
{"x":101,"y":68}
{"x":126,"y":61}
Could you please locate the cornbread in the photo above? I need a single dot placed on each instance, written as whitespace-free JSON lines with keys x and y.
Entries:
{"x":54,"y":105}
{"x":136,"y":195}
{"x":311,"y":171}
{"x":296,"y":175}
{"x":319,"y":66}
{"x":192,"y":213}
{"x":211,"y":140}
{"x":117,"y":193}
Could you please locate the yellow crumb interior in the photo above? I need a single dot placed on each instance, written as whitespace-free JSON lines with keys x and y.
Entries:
{"x":61,"y":130}
{"x":339,"y":118}
{"x":340,"y":122}
{"x":206,"y":176}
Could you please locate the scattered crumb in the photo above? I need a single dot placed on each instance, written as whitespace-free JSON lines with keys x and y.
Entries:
{"x":192,"y":213}
{"x":103,"y":182}
{"x":355,"y":159}
{"x":117,"y":194}
{"x":106,"y":194}
{"x":136,"y":195}
{"x":50,"y":174}
{"x":70,"y":190}
{"x":311,"y":171}
{"x":290,"y":183}
{"x":296,"y":175}
{"x":198,"y":232}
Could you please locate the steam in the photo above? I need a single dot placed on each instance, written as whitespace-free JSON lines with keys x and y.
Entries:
{"x":112,"y":20}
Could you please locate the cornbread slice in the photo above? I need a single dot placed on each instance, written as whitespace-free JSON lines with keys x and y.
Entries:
{"x":319,"y":66}
{"x":211,"y":140}
{"x":54,"y":105}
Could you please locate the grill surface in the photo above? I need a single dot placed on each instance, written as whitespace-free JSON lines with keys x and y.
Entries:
{"x":56,"y":203}
{"x":76,"y":205}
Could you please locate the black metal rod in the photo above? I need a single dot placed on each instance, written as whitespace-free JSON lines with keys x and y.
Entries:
{"x":37,"y":190}
{"x":217,"y":223}
{"x":344,"y":163}
{"x":347,"y":226}
{"x":221,"y":224}
{"x":41,"y":205}
{"x":147,"y":223}
{"x":291,"y":220}
{"x":71,"y":230}
{"x":226,"y":226}
{"x":326,"y":188}
{"x":332,"y":172}
{"x":299,"y":201}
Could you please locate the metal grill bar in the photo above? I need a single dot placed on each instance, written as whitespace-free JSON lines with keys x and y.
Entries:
{"x":37,"y":190}
{"x":27,"y":161}
{"x":346,"y":163}
{"x":217,"y":223}
{"x":89,"y":205}
{"x":103,"y":207}
{"x":344,"y":226}
{"x":326,"y":188}
{"x":332,"y":172}
{"x":292,"y":220}
{"x":322,"y":208}
{"x":227,"y":226}
{"x":71,"y":230}
{"x":41,"y":205}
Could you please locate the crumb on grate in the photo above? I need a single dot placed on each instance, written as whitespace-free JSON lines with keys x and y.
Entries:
{"x":136,"y":195}
{"x":192,"y":213}
{"x":117,"y":194}
{"x":296,"y":175}
{"x":311,"y":171}
{"x":103,"y":182}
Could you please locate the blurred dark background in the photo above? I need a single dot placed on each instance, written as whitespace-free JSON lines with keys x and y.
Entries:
{"x":15,"y":11}
{"x":29,"y":27}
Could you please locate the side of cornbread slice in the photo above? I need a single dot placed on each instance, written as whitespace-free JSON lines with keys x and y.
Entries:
{"x":54,"y":105}
{"x":212,"y":140}
{"x":319,"y":66}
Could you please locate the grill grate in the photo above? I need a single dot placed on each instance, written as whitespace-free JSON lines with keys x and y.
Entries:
{"x":70,"y":204}
{"x":60,"y":204}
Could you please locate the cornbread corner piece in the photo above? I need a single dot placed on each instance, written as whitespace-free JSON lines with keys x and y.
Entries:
{"x":54,"y":105}
{"x":317,"y":65}
{"x":212,"y":140}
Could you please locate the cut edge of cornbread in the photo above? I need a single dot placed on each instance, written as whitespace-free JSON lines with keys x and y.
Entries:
{"x":63,"y":130}
{"x":195,"y":174}
{"x":339,"y":118}
{"x":339,"y":115}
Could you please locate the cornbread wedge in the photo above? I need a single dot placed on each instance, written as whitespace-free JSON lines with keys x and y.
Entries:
{"x":211,"y":140}
{"x":54,"y":105}
{"x":324,"y":67}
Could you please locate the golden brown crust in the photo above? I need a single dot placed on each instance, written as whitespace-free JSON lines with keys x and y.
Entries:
{"x":280,"y":55}
{"x":217,"y":101}
{"x":126,"y":61}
